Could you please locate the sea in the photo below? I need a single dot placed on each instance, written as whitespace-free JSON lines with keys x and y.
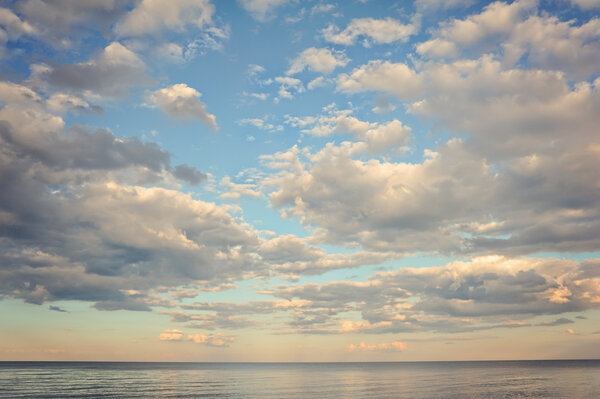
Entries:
{"x":565,"y":379}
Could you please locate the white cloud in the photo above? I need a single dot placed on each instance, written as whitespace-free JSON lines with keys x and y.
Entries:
{"x":586,"y":4}
{"x":320,"y":60}
{"x":437,"y":48}
{"x":321,"y":8}
{"x":182,"y":102}
{"x":154,"y":16}
{"x":171,"y":335}
{"x":216,"y":340}
{"x":288,"y":86}
{"x":379,"y":31}
{"x":379,"y":137}
{"x":362,"y":347}
{"x":11,"y":28}
{"x":261,"y":10}
{"x":261,"y":123}
{"x":515,"y":31}
{"x":319,"y":81}
{"x":377,"y":75}
{"x":237,"y":190}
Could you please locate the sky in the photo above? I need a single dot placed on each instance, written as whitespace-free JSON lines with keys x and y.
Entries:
{"x":286,"y":180}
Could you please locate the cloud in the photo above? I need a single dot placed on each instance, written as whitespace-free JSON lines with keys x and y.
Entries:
{"x":57,"y":309}
{"x":237,"y":190}
{"x":189,"y":174}
{"x":171,"y":335}
{"x":61,"y":102}
{"x":377,"y":31}
{"x":151,"y":17}
{"x":12,"y":28}
{"x":261,"y":10}
{"x":424,"y":6}
{"x":82,"y":216}
{"x":377,"y":75}
{"x":288,"y":86}
{"x":384,"y":347}
{"x":215,"y":340}
{"x":110,"y":74}
{"x":586,"y":4}
{"x":516,"y":33}
{"x":182,"y":102}
{"x":557,"y":322}
{"x":379,"y":137}
{"x":484,"y":293}
{"x":61,"y":21}
{"x":261,"y":123}
{"x":320,"y":60}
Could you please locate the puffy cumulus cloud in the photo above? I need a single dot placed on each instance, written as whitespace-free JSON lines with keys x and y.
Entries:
{"x":110,"y":74}
{"x":455,"y":201}
{"x":484,"y":293}
{"x":288,"y":86}
{"x":182,"y":102}
{"x":55,"y":21}
{"x":61,"y":103}
{"x":496,"y":20}
{"x":387,"y":346}
{"x":508,"y":112}
{"x":236,"y":191}
{"x":12,"y":28}
{"x":518,"y":34}
{"x":88,"y":216}
{"x":518,"y":110}
{"x":320,"y":60}
{"x":586,"y":4}
{"x":216,"y":340}
{"x":398,"y":78}
{"x":261,"y":10}
{"x":381,"y":205}
{"x":379,"y":137}
{"x":170,"y":335}
{"x":155,"y":16}
{"x":377,"y":31}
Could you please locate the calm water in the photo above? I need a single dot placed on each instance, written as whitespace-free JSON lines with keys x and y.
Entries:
{"x":569,"y":379}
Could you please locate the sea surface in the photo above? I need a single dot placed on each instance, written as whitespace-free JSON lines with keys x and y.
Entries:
{"x":568,"y":379}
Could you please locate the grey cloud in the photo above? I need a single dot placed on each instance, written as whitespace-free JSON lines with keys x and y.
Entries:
{"x":189,"y":174}
{"x":557,"y":322}
{"x":57,"y":21}
{"x":108,"y":74}
{"x":75,"y":224}
{"x":458,"y":297}
{"x":56,"y":309}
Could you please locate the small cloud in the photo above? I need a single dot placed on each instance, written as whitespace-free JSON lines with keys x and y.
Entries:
{"x":171,"y":335}
{"x":216,"y":340}
{"x":57,"y":309}
{"x":181,"y":102}
{"x":570,"y":331}
{"x":581,"y":317}
{"x":320,"y":60}
{"x":189,"y":174}
{"x":557,"y":322}
{"x":386,"y":347}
